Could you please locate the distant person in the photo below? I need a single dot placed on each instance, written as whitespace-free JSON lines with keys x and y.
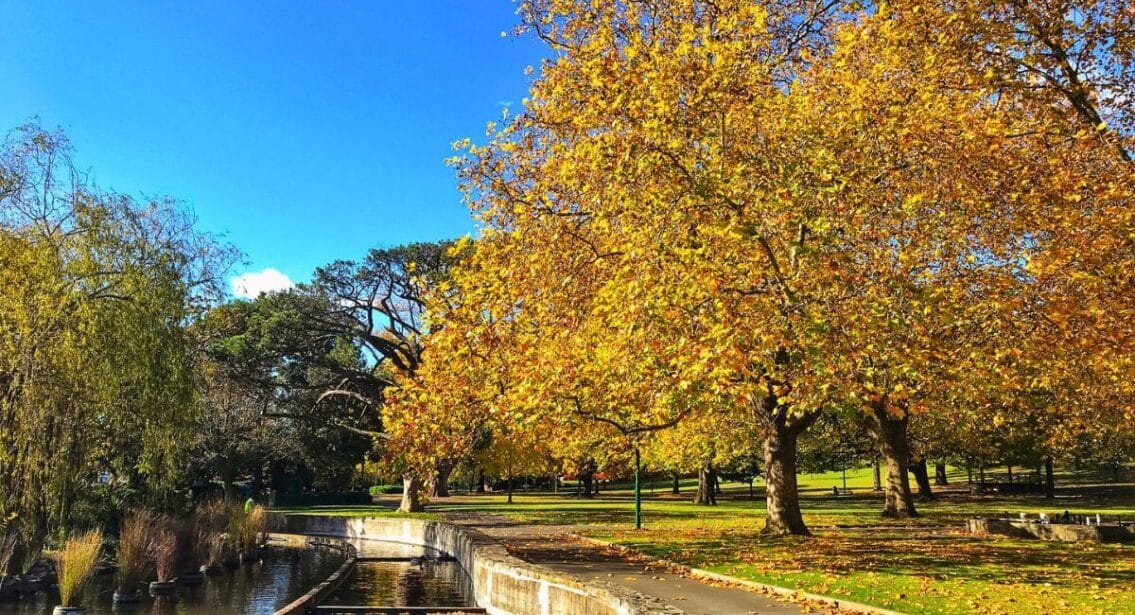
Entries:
{"x":248,"y":504}
{"x":835,"y":490}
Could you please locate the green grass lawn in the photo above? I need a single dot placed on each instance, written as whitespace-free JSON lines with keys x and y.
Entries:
{"x":923,"y":565}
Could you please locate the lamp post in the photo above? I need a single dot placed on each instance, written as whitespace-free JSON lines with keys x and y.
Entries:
{"x":637,"y":490}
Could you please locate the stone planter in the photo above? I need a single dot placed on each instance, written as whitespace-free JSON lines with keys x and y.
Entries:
{"x":166,"y":588}
{"x":127,"y":597}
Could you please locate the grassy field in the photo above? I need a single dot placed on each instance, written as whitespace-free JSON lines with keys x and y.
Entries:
{"x":924,"y":565}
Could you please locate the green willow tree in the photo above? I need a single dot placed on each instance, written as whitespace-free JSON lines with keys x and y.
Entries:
{"x":97,"y":368}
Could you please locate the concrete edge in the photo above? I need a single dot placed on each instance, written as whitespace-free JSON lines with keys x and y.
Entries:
{"x":847,"y":606}
{"x":315,"y":595}
{"x":485,"y":561}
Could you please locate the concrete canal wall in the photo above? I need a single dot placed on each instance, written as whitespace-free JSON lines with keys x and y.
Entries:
{"x":502,"y":584}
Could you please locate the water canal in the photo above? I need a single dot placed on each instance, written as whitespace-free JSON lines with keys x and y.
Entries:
{"x":383,"y":577}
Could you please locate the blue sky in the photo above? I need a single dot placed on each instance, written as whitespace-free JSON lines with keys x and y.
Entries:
{"x":303,"y":131}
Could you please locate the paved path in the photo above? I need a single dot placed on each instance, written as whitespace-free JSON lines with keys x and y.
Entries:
{"x":554,"y":547}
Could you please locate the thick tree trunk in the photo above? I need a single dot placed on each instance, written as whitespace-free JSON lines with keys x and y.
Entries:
{"x":878,"y":474}
{"x":585,"y":480}
{"x":510,"y":485}
{"x":782,"y":498}
{"x":1049,"y":479}
{"x":890,"y":432}
{"x":481,"y":480}
{"x":940,"y":475}
{"x":922,"y":478}
{"x":411,"y":495}
{"x":227,"y":479}
{"x":439,"y":485}
{"x":706,"y":495}
{"x":677,"y":486}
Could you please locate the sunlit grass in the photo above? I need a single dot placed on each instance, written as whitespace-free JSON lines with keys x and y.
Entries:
{"x":923,"y":565}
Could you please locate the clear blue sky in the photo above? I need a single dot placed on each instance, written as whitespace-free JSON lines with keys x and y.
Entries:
{"x":304,"y":132}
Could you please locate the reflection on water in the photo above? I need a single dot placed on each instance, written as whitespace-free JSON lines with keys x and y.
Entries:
{"x":405,"y":584}
{"x":283,"y":575}
{"x":429,"y":583}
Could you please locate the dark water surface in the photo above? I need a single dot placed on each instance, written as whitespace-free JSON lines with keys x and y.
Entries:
{"x":284,"y":574}
{"x":429,"y":582}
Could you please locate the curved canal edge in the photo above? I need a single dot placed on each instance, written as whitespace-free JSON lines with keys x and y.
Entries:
{"x":309,"y":600}
{"x":502,"y":584}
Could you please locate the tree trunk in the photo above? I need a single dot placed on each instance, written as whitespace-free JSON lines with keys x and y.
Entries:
{"x":227,"y":478}
{"x":595,"y":486}
{"x":782,"y":497}
{"x":922,"y":478}
{"x":411,"y":495}
{"x":706,"y":494}
{"x":751,"y":496}
{"x":890,"y":432}
{"x":439,"y":485}
{"x":481,"y":480}
{"x":940,"y":474}
{"x":257,"y":480}
{"x":1049,"y":479}
{"x":1009,"y":466}
{"x":510,"y":485}
{"x":716,"y":483}
{"x":877,"y":472}
{"x":677,"y":487}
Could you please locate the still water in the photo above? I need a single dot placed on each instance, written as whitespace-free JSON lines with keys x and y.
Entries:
{"x":428,"y":582}
{"x":283,"y":575}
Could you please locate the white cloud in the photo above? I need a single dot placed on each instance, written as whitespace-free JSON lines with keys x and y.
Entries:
{"x":255,"y":283}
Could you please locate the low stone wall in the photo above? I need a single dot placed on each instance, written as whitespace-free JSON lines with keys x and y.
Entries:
{"x":502,"y":584}
{"x":1054,"y":531}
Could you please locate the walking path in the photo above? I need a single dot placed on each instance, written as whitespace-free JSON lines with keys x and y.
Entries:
{"x":556,"y":547}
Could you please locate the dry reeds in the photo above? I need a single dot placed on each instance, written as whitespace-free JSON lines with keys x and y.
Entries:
{"x":76,"y":563}
{"x":135,"y":549}
{"x":235,"y":533}
{"x":165,"y":548}
{"x":213,"y":514}
{"x":254,"y":525}
{"x":215,"y":550}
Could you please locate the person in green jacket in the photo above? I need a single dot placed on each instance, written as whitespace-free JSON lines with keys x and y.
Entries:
{"x":248,"y":504}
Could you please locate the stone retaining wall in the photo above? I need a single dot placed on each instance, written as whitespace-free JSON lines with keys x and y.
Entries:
{"x":502,"y":584}
{"x":1054,"y":531}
